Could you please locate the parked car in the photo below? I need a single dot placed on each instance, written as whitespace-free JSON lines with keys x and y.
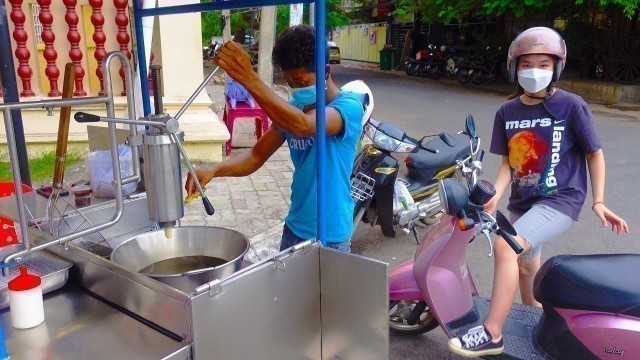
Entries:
{"x":334,"y":53}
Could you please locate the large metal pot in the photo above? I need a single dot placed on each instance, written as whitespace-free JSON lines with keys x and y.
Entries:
{"x":191,"y":243}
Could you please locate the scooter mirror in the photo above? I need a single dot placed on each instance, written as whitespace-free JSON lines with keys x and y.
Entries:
{"x":505,"y":224}
{"x":470,"y":127}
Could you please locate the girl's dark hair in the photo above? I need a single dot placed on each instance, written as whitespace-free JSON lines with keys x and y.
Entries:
{"x":296,"y":48}
{"x":518,"y":92}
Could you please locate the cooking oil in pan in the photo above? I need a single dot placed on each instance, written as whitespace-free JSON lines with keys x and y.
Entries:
{"x":182,"y":264}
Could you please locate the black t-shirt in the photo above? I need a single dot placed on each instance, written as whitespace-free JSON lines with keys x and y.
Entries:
{"x":546,"y":144}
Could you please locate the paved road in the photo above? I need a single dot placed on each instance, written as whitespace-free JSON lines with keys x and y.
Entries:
{"x":423,"y":107}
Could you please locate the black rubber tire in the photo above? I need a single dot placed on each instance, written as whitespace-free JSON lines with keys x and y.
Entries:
{"x":427,"y":323}
{"x":434,"y":74}
{"x":463,"y":76}
{"x":477,"y":78}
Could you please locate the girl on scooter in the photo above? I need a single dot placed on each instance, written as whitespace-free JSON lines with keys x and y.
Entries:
{"x":547,"y":138}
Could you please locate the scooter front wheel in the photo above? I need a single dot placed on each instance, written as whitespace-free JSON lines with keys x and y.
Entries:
{"x":401,"y":322}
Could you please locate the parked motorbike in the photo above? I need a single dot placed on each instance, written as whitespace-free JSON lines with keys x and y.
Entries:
{"x":488,"y":67}
{"x":381,"y":198}
{"x":590,"y":302}
{"x":410,"y":66}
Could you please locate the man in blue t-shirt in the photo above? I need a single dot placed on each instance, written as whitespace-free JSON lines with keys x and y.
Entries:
{"x":295,"y":123}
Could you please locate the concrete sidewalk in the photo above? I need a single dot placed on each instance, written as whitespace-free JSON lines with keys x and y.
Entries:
{"x":618,"y":96}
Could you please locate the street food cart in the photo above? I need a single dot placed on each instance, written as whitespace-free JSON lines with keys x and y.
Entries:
{"x":307,"y":302}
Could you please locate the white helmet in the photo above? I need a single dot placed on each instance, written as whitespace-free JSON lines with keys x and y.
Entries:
{"x":359,"y":87}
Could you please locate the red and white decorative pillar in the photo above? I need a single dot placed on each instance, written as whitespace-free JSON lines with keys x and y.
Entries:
{"x":50,"y":53}
{"x":74,"y":38}
{"x":122,"y":20}
{"x":99,"y":37}
{"x":21,"y":53}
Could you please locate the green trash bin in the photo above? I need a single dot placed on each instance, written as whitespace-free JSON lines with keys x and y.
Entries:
{"x":395,"y":58}
{"x":386,"y":59}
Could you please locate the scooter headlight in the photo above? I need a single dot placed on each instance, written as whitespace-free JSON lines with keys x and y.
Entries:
{"x":386,"y":142}
{"x":370,"y":131}
{"x":453,"y":195}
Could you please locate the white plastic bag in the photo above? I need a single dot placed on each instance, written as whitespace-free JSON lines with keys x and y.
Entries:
{"x":402,"y":199}
{"x":101,"y":172}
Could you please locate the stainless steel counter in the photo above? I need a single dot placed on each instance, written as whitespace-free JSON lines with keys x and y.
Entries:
{"x":79,"y":326}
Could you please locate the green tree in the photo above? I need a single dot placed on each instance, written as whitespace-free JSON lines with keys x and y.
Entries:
{"x":241,"y":18}
{"x":446,"y":11}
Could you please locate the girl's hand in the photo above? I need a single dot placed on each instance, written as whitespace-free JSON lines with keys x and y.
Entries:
{"x":607,"y":216}
{"x":490,"y":207}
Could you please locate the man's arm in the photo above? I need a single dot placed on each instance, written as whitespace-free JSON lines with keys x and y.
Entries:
{"x":242,"y":164}
{"x":237,"y":64}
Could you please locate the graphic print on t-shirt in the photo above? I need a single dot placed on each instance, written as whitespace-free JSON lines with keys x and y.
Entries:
{"x":533,"y":156}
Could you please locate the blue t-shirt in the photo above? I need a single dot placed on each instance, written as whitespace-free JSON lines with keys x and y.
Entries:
{"x":546,"y":144}
{"x":341,"y":151}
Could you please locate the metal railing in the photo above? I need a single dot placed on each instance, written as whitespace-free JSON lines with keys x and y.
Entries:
{"x":118,"y":180}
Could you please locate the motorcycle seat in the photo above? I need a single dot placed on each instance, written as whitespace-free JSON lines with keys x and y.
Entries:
{"x":446,"y":156}
{"x":608,"y":283}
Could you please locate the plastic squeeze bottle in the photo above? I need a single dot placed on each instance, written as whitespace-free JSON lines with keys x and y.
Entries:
{"x":25,"y":300}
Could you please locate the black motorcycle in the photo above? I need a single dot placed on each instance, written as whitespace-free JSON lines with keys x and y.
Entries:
{"x":381,"y":198}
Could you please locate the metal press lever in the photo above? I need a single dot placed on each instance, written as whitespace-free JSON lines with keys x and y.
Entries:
{"x":171,"y":125}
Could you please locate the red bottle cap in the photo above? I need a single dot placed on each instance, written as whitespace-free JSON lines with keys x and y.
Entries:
{"x":24,"y":281}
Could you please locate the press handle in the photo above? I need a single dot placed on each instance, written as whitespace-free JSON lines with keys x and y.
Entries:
{"x":83,"y":117}
{"x":207,"y":206}
{"x":205,"y":201}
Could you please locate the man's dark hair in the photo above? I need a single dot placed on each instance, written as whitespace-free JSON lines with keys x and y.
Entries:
{"x":296,"y":48}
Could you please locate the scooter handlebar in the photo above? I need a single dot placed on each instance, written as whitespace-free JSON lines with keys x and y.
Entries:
{"x":511,"y":241}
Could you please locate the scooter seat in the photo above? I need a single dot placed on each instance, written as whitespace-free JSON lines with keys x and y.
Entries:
{"x":446,"y":156}
{"x":608,"y":283}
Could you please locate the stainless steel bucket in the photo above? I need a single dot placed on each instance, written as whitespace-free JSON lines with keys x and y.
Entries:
{"x":141,"y":252}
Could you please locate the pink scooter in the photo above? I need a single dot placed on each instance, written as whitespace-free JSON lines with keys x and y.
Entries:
{"x":591,"y":303}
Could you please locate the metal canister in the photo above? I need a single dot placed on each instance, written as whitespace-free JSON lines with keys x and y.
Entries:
{"x":163,"y":178}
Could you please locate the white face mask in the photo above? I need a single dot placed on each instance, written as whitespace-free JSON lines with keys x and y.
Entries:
{"x":534,"y":80}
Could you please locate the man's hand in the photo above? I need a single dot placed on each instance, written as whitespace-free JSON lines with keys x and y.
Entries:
{"x":607,"y":217}
{"x":204,"y":176}
{"x":236,"y":63}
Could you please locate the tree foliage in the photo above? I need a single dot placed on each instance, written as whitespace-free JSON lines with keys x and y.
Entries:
{"x":241,"y":18}
{"x":446,"y":11}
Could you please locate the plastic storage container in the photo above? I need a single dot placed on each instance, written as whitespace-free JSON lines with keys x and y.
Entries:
{"x":82,"y":194}
{"x":25,"y":300}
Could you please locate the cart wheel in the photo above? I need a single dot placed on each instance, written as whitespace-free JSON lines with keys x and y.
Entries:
{"x":624,"y":65}
{"x":399,"y":311}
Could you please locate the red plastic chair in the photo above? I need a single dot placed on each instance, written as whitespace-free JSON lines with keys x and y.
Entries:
{"x":8,"y":234}
{"x":244,"y":111}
